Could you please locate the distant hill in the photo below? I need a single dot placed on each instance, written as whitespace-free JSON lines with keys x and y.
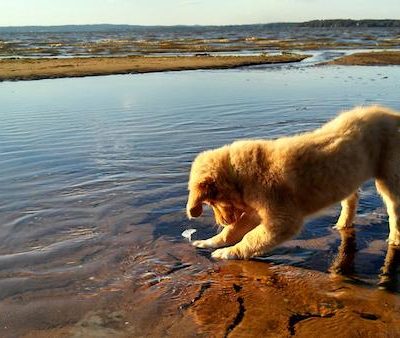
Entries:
{"x":71,"y":28}
{"x":345,"y":23}
{"x":350,"y":23}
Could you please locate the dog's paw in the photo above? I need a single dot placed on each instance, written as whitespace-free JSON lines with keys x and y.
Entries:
{"x":206,"y":243}
{"x":342,"y":225}
{"x":395,"y":241}
{"x":224,"y":253}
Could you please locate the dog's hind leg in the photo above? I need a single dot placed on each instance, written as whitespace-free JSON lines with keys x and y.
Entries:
{"x":389,"y":189}
{"x":231,"y":234}
{"x":349,"y":209}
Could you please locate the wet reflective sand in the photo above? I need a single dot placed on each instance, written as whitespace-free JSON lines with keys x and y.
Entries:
{"x":173,"y":290}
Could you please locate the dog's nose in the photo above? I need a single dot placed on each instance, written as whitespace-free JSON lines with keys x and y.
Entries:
{"x":195,"y":211}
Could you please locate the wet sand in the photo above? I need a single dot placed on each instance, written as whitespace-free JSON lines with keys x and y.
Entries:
{"x":368,"y":59}
{"x":183,"y":293}
{"x":34,"y":69}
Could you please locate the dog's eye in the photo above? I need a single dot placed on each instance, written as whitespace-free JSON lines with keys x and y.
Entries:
{"x":212,"y":192}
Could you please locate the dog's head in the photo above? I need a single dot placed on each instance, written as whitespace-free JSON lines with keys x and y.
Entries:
{"x":213,"y":182}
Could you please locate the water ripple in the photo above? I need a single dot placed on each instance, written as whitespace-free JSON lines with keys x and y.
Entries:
{"x":91,"y":165}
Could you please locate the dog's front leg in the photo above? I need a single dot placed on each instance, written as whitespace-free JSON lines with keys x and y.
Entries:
{"x":349,"y":209}
{"x":261,"y":239}
{"x":231,"y":234}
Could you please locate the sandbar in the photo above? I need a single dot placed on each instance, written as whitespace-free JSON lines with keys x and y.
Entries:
{"x":45,"y":68}
{"x":368,"y":59}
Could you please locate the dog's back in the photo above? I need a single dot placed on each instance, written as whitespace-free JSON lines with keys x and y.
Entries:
{"x":332,"y":161}
{"x":324,"y":166}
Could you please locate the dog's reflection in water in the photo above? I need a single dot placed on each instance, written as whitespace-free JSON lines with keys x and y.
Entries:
{"x":389,"y":275}
{"x":343,"y":264}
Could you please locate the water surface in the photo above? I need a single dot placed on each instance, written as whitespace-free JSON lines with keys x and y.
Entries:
{"x":69,"y":41}
{"x":96,"y":168}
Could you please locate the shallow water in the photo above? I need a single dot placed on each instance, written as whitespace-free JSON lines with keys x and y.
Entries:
{"x":134,"y":40}
{"x":93,"y":169}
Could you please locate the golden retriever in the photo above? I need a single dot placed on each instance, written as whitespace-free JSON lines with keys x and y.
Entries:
{"x":262,"y":190}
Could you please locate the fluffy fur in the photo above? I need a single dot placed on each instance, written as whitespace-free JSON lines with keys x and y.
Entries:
{"x":262,"y":190}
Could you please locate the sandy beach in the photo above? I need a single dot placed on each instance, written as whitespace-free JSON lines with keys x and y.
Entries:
{"x":34,"y":69}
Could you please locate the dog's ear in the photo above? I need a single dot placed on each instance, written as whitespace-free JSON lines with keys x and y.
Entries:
{"x":206,"y":189}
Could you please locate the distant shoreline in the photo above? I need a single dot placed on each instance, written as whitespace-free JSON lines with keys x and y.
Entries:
{"x":44,"y":68}
{"x":329,"y":23}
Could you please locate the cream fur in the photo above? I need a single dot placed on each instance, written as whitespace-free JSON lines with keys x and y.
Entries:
{"x":262,"y":190}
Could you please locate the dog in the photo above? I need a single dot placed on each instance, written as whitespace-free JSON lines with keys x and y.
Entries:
{"x":261,"y":191}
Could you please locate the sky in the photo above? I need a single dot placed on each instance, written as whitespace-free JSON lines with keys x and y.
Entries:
{"x":189,"y":12}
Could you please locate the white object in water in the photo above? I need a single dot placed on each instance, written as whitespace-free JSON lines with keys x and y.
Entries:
{"x":188,"y":234}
